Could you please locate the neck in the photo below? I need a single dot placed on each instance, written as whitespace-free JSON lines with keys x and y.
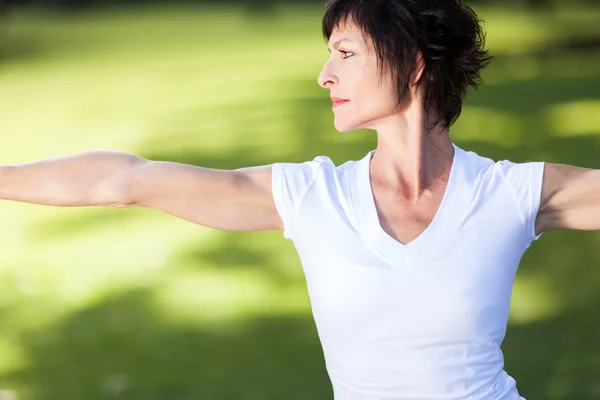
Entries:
{"x":411,"y":159}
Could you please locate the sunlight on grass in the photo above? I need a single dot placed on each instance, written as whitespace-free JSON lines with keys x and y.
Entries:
{"x":533,"y":300}
{"x":119,"y":98}
{"x":487,"y":125}
{"x":8,"y":395}
{"x":122,"y":111}
{"x":514,"y":33}
{"x":217,"y":299}
{"x":511,"y":31}
{"x":52,"y":277}
{"x":575,"y":118}
{"x":13,"y":355}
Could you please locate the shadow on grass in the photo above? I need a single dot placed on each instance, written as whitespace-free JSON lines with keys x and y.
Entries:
{"x":558,"y":356}
{"x":275,"y":259}
{"x":532,"y":95}
{"x":121,"y":348}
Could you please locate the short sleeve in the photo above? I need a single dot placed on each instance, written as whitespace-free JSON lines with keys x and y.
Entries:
{"x":525,"y":182}
{"x":290,"y":184}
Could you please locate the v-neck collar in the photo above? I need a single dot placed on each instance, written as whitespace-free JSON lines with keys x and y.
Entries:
{"x":424,"y":246}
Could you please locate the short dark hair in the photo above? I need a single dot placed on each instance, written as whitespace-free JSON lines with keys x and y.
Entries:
{"x":447,"y":33}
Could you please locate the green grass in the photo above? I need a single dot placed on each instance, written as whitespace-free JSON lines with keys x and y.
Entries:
{"x":134,"y":304}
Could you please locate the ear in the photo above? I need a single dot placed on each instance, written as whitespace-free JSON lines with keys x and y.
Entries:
{"x":419,"y":68}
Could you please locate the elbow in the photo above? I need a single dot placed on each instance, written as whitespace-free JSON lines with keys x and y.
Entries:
{"x":119,"y":190}
{"x":128,"y":186}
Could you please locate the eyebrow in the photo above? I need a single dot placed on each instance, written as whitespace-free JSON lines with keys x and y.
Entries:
{"x":338,"y":42}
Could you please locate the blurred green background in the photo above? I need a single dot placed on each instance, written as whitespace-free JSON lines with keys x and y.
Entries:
{"x":135,"y":304}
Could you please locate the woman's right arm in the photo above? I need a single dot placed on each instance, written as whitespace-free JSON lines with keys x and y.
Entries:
{"x":234,"y":200}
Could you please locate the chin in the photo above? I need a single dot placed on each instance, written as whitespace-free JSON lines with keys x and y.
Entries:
{"x":344,"y":126}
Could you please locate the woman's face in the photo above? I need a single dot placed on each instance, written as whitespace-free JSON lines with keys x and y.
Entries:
{"x":351,"y":73}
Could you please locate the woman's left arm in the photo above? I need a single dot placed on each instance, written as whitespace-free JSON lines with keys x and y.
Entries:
{"x":570,"y":199}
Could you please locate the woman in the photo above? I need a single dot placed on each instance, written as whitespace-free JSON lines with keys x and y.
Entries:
{"x":409,"y":253}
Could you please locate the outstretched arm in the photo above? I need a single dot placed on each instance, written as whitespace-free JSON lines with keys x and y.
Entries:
{"x":235,"y":200}
{"x":91,"y":178}
{"x":232,"y":200}
{"x":570,"y":199}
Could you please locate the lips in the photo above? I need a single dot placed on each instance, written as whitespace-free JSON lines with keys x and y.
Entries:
{"x":338,"y":100}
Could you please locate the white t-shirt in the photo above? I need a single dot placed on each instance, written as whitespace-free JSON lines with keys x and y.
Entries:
{"x":421,"y":321}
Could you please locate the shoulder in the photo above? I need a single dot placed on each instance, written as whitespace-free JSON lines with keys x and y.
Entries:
{"x":309,"y":184}
{"x":511,"y":172}
{"x":507,"y":185}
{"x":307,"y":172}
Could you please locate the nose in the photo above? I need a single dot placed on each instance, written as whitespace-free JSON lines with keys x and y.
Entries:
{"x":327,"y":77}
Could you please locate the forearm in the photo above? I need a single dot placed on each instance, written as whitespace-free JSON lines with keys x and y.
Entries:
{"x":96,"y":177}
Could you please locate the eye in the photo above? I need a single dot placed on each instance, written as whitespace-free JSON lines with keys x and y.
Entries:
{"x":345,"y":53}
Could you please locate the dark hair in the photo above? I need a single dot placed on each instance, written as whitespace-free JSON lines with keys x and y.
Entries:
{"x":447,"y":33}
